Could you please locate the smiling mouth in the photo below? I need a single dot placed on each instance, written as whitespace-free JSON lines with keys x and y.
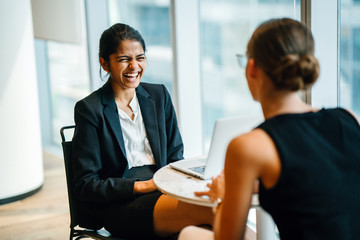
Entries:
{"x":131,"y":75}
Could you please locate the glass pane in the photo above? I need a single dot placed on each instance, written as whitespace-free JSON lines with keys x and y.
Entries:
{"x":349,"y":63}
{"x":152,"y":19}
{"x":69,"y":82}
{"x":226,"y":27}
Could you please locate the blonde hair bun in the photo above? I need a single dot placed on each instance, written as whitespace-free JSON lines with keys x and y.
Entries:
{"x":295,"y":72}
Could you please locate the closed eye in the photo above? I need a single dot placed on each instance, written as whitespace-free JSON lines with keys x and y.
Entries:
{"x":125,"y":59}
{"x":122,"y":59}
{"x":141,"y":58}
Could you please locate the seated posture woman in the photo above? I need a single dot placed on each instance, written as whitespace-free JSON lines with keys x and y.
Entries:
{"x":307,"y":160}
{"x":125,"y":131}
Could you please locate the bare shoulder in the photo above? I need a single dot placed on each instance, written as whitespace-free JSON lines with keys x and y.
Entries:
{"x":354,"y":115}
{"x":255,"y":150}
{"x":253,"y":146}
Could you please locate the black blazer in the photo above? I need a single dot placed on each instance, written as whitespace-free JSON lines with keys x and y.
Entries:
{"x":99,"y":158}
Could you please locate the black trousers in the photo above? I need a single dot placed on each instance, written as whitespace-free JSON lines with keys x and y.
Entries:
{"x":134,"y":219}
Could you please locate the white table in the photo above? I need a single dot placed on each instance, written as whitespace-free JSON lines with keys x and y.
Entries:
{"x":182,"y":187}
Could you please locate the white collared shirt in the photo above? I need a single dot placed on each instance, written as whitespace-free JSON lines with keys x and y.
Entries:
{"x":138,"y":150}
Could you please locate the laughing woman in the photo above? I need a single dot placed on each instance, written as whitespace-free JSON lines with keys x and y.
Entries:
{"x":124,"y":132}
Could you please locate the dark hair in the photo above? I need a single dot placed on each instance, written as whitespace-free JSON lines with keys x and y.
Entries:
{"x":284,"y":50}
{"x":113,"y":36}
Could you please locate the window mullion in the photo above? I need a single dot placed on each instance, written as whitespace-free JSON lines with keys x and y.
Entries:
{"x":187,"y":80}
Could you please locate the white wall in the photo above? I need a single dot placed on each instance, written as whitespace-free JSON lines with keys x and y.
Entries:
{"x":21,"y":167}
{"x":58,"y":20}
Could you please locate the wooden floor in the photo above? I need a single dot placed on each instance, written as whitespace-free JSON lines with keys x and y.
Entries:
{"x":42,"y":216}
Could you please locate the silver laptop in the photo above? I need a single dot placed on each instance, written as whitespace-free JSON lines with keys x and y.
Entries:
{"x":224,"y":131}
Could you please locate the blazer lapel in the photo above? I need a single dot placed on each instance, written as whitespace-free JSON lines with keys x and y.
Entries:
{"x":111,"y":114}
{"x":148,"y":111}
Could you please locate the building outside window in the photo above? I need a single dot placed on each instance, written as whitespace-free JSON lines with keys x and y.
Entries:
{"x":69,"y":82}
{"x":152,"y":19}
{"x":226,"y":27}
{"x":63,"y":73}
{"x":349,"y":55}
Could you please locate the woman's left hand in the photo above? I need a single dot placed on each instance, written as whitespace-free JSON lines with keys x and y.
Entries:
{"x":216,"y":188}
{"x":145,"y":186}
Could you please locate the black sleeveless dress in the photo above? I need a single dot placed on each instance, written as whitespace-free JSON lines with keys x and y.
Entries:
{"x":317,"y":195}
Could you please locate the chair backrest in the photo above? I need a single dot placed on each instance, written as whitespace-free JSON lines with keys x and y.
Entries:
{"x":101,"y":234}
{"x":73,"y":202}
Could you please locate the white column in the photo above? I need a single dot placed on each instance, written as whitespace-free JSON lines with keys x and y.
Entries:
{"x":21,"y":166}
{"x":187,"y":80}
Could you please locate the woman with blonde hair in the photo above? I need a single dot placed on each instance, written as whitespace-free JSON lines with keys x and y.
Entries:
{"x":307,"y":160}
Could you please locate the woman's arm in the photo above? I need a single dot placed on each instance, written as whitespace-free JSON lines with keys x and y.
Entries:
{"x":249,"y":157}
{"x":175,"y":146}
{"x":240,"y":175}
{"x":145,"y":186}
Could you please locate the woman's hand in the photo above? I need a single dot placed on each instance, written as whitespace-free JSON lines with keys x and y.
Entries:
{"x":145,"y":186}
{"x":216,"y":188}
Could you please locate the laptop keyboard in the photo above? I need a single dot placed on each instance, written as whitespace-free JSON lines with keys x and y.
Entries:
{"x":200,"y":169}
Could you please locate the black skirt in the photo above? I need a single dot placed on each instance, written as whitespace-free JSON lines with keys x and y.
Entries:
{"x":134,"y":219}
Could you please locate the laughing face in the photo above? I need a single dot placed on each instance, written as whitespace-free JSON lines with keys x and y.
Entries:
{"x":126,"y":66}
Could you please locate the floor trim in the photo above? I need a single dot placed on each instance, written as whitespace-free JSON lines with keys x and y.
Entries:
{"x":20,"y":197}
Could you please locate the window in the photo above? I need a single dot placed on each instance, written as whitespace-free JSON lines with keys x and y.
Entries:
{"x":152,"y":20}
{"x":349,"y":56}
{"x":338,"y":49}
{"x":63,"y":77}
{"x":69,"y":82}
{"x":226,"y":27}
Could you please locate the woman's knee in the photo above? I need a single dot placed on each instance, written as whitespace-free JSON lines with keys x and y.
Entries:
{"x":186,"y":233}
{"x":196,"y":233}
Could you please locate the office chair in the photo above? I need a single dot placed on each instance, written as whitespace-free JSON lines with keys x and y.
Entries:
{"x":77,"y":233}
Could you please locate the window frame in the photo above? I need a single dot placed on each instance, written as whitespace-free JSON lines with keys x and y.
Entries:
{"x":325,"y":92}
{"x":184,"y":15}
